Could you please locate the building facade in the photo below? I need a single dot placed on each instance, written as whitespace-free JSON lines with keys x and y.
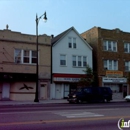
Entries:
{"x":111,"y":58}
{"x":70,"y":55}
{"x":18,"y":65}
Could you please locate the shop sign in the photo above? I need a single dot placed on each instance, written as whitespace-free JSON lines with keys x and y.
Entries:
{"x":66,"y":79}
{"x":114,"y":80}
{"x":114,"y":73}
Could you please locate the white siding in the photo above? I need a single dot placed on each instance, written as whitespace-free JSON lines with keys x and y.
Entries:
{"x":62,"y":48}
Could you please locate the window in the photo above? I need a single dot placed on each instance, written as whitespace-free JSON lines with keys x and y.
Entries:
{"x":72,"y":42}
{"x":63,"y":60}
{"x":84,"y":61}
{"x":114,"y":46}
{"x":34,"y":57}
{"x":110,"y":64}
{"x":69,"y":43}
{"x":109,"y":45}
{"x":127,"y":47}
{"x":127,"y":66}
{"x":17,"y":56}
{"x":74,"y":61}
{"x":79,"y":61}
{"x":25,"y":56}
{"x":87,"y":90}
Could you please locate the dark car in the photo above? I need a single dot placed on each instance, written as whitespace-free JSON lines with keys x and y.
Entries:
{"x":89,"y":94}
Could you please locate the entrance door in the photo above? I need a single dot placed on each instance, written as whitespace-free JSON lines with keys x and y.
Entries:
{"x":66,"y":90}
{"x":6,"y":91}
{"x":58,"y":91}
{"x":43,"y":91}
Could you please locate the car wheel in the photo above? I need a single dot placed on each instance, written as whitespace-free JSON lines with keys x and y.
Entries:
{"x":105,"y":100}
{"x":78,"y":101}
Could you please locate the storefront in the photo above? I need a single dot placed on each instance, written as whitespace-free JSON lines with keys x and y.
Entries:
{"x":63,"y":84}
{"x":117,"y":83}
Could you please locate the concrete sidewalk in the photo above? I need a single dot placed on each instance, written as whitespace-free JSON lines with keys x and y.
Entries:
{"x":49,"y":101}
{"x":2,"y":103}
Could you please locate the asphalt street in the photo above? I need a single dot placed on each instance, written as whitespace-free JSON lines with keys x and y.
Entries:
{"x":95,"y":116}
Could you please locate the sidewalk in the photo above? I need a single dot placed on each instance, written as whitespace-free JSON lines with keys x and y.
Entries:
{"x":49,"y":101}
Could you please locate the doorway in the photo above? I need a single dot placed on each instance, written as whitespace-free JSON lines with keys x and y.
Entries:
{"x":58,"y":91}
{"x":43,"y":91}
{"x":6,"y":91}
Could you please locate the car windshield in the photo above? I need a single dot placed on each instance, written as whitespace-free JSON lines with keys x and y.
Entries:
{"x":79,"y":90}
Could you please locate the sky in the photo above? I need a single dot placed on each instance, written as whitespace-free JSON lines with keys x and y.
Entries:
{"x":20,"y":15}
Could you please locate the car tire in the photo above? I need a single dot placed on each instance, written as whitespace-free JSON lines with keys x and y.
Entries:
{"x":105,"y":100}
{"x":78,"y":101}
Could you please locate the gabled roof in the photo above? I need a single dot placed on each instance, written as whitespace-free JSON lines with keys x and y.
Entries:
{"x":56,"y":38}
{"x":61,"y":35}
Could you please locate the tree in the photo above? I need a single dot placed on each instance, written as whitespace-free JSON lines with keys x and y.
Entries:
{"x":88,"y":79}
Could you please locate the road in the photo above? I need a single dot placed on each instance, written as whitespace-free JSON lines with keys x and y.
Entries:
{"x":95,"y":116}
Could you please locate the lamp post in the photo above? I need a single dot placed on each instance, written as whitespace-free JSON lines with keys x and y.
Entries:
{"x":37,"y":72}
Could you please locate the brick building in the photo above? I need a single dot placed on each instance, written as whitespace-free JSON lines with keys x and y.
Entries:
{"x":18,"y":65}
{"x":111,"y":58}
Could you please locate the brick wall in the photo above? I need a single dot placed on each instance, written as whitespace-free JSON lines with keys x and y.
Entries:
{"x":95,"y":37}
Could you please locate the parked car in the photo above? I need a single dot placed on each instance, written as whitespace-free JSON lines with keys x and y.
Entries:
{"x":127,"y":98}
{"x":89,"y":94}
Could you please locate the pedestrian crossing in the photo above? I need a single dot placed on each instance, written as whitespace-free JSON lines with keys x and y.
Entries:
{"x":77,"y":114}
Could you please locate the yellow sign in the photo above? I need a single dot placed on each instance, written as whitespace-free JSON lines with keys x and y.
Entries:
{"x":114,"y":73}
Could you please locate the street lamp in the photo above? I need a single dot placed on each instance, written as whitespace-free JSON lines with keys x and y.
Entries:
{"x":37,"y":21}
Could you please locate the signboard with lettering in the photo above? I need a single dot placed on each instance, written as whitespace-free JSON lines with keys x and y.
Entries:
{"x":63,"y":79}
{"x":114,"y":80}
{"x":114,"y":73}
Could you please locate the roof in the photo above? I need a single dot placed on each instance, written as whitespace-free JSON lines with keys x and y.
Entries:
{"x":61,"y":35}
{"x":55,"y":39}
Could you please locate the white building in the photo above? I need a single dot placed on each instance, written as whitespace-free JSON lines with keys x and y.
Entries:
{"x":70,"y":55}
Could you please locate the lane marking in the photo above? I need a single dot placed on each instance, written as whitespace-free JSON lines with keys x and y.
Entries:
{"x":77,"y":114}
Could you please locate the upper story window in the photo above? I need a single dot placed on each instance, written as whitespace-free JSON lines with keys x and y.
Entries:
{"x":84,"y":61}
{"x":25,"y":56}
{"x":18,"y":55}
{"x":63,"y":60}
{"x":127,"y":47}
{"x":110,"y":64}
{"x":79,"y":61}
{"x":34,"y":56}
{"x":69,"y":42}
{"x":72,"y":42}
{"x":127,"y":66}
{"x":109,"y":45}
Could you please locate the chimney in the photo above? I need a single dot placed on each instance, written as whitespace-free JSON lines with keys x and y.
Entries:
{"x":52,"y":36}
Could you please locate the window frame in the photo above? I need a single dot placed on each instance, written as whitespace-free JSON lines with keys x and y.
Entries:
{"x":22,"y":55}
{"x":110,"y":64}
{"x":109,"y":45}
{"x":63,"y":60}
{"x":79,"y":62}
{"x":72,"y":42}
{"x":126,"y":47}
{"x":128,"y":66}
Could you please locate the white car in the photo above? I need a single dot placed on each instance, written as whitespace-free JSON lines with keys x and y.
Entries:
{"x":127,"y":98}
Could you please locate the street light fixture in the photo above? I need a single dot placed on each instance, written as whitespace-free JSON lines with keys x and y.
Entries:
{"x":37,"y":21}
